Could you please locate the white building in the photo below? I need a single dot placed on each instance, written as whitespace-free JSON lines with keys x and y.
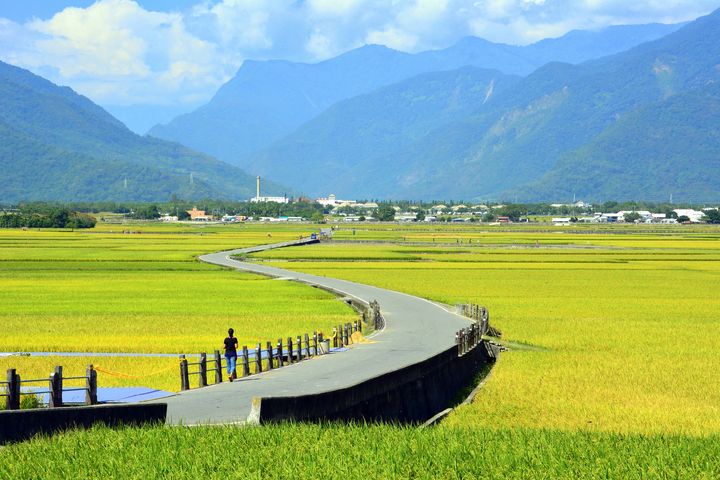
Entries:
{"x":260,"y":199}
{"x":561,"y":221}
{"x":270,"y":199}
{"x":332,"y":201}
{"x":693,"y":215}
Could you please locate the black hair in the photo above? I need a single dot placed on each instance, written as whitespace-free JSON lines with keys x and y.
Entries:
{"x":231,"y":331}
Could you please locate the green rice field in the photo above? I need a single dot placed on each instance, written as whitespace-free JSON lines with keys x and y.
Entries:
{"x":608,"y":331}
{"x":613,"y":336}
{"x":143,"y":292}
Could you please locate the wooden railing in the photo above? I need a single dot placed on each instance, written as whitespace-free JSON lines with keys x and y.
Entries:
{"x":468,"y":338}
{"x":12,"y":390}
{"x":272,"y":356}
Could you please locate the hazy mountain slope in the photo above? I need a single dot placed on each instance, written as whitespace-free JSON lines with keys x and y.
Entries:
{"x":514,"y":138}
{"x":344,"y":146}
{"x":267,"y":100}
{"x":669,"y":147}
{"x":46,"y":128}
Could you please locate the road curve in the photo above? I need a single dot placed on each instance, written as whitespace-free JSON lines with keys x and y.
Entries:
{"x":416,"y":329}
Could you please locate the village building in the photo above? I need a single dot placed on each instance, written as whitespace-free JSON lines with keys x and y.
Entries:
{"x":693,"y":215}
{"x":199,"y":215}
{"x":332,"y":201}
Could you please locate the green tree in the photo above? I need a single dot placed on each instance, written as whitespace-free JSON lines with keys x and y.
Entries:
{"x":146,"y":212}
{"x":420,"y":216}
{"x":632,"y":217}
{"x":317,"y":217}
{"x":712,"y":216}
{"x":385,"y":213}
{"x":513,"y":212}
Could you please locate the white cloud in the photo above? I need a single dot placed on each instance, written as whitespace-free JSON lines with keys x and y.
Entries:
{"x":117,"y":52}
{"x":393,"y":37}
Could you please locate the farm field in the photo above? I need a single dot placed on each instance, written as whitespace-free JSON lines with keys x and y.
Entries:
{"x":610,"y":331}
{"x":613,"y":337}
{"x":108,"y":291}
{"x":359,"y":451}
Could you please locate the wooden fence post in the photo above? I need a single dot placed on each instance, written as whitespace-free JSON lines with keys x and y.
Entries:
{"x":56,"y":386}
{"x":315,"y":344}
{"x":91,"y":385}
{"x":299,"y":348}
{"x":245,"y":361}
{"x":13,"y":398}
{"x":218,"y":367}
{"x":203,"y":370}
{"x":280,"y":352}
{"x":307,"y":345}
{"x":184,"y":374}
{"x":290,"y":350}
{"x":335,"y":337}
{"x":270,"y":355}
{"x":258,"y":359}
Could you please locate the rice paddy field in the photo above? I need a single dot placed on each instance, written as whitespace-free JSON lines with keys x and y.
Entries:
{"x":143,"y":292}
{"x":612,"y":368}
{"x":610,"y":331}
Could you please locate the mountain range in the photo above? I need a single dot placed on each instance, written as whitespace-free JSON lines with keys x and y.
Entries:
{"x":58,"y":145}
{"x":267,"y":100}
{"x":636,"y":124}
{"x":625,"y":113}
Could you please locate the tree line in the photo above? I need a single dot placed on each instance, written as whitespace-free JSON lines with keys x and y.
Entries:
{"x":49,"y":217}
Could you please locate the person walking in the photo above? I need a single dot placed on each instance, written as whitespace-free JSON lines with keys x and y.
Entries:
{"x":231,"y":345}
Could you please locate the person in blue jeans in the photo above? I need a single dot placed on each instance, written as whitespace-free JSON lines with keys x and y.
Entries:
{"x":231,"y":345}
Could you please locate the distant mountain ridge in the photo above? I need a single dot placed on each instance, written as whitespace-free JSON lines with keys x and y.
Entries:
{"x":268,"y":100}
{"x":58,"y":145}
{"x":638,"y":124}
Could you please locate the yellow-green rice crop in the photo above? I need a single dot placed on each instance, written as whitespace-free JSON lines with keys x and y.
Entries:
{"x":621,"y":335}
{"x":104,"y":291}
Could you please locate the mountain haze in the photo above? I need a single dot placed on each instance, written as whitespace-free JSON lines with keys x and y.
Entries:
{"x":268,"y":100}
{"x":562,"y":129}
{"x":355,"y":144}
{"x":57,"y":145}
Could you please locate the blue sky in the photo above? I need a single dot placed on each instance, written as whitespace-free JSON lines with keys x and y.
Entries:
{"x":178,"y":52}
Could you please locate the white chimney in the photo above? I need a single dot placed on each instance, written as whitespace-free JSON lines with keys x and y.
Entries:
{"x":257,"y":195}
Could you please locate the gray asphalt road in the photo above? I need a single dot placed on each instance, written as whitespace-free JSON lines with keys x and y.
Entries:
{"x":415,"y":330}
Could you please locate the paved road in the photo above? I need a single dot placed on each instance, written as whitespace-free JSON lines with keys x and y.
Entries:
{"x":415,"y":330}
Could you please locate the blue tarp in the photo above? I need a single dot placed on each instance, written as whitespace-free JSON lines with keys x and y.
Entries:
{"x":105,"y":394}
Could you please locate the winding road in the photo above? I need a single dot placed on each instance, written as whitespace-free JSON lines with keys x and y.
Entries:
{"x":415,"y":330}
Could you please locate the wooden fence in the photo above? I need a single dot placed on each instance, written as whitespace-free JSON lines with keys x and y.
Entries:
{"x":271,"y":356}
{"x":12,"y":391}
{"x":468,"y":338}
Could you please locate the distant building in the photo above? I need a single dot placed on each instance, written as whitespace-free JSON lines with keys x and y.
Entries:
{"x":561,"y":221}
{"x":693,"y":215}
{"x":368,"y":206}
{"x":168,"y":218}
{"x":332,"y":201}
{"x":260,"y":199}
{"x":438,"y":209}
{"x":644,"y":214}
{"x":199,"y":215}
{"x":270,"y":199}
